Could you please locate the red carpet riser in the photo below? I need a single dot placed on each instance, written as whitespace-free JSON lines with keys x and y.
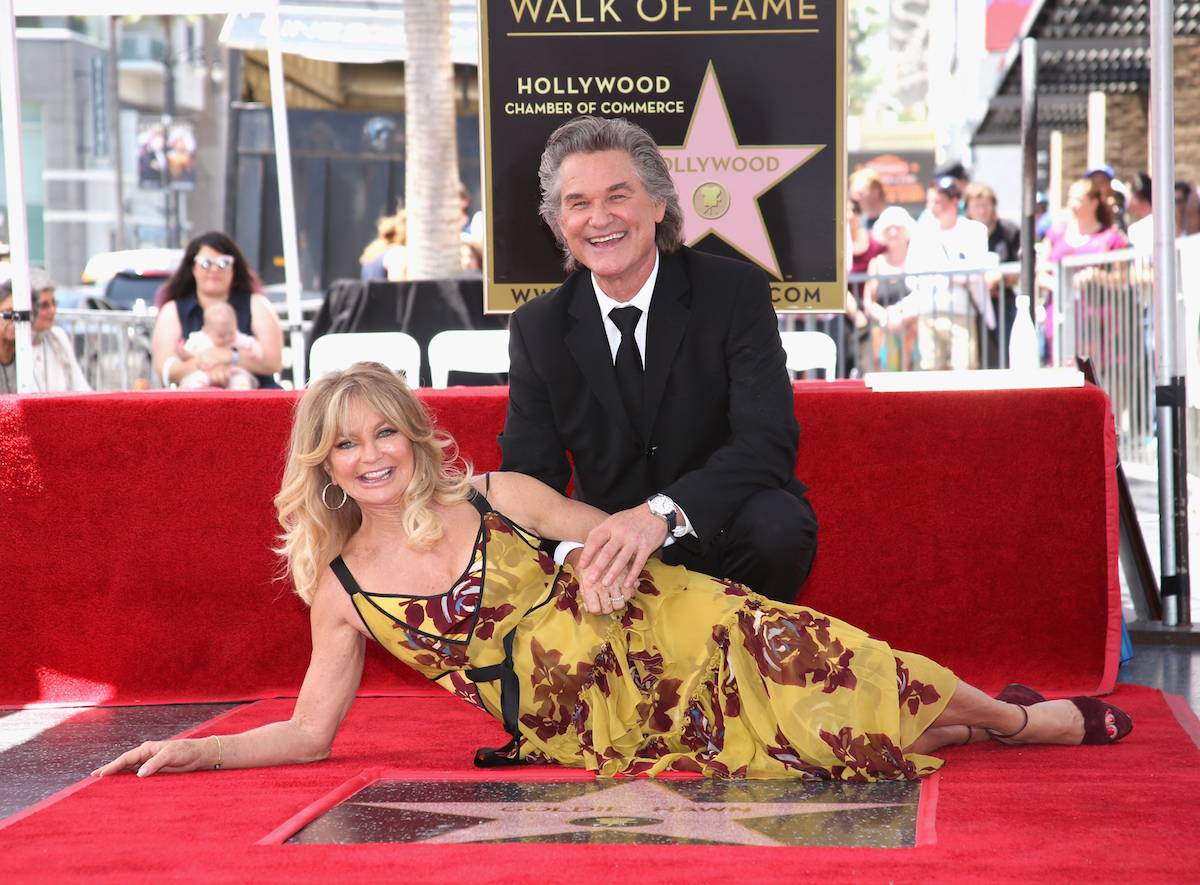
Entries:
{"x":978,"y":529}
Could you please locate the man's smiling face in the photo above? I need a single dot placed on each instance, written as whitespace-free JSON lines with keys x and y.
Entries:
{"x":608,"y":220}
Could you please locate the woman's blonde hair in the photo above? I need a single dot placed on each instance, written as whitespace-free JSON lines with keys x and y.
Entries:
{"x":312,"y":533}
{"x":390,"y":230}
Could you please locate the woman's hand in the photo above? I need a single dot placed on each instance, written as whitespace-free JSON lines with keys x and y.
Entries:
{"x":218,"y":376}
{"x":596,"y":598}
{"x":213,"y":357}
{"x":188,"y":754}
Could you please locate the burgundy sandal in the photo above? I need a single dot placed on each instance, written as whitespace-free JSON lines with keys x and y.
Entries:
{"x":1016,"y":693}
{"x":1103,"y":723}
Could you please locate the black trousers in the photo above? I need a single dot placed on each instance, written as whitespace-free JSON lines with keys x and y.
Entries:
{"x":769,"y":545}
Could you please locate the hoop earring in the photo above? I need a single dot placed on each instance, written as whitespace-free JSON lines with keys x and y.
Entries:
{"x":326,"y":489}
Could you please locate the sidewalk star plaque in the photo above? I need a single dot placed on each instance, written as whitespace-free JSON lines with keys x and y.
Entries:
{"x":635,"y":811}
{"x":745,"y":97}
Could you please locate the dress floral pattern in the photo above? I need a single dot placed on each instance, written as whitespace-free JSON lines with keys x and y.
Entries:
{"x":694,"y":674}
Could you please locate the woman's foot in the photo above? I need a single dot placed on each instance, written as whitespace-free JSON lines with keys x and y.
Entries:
{"x":941,"y":736}
{"x":1067,"y":722}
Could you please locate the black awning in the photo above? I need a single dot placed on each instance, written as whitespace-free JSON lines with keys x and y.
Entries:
{"x":1083,"y":46}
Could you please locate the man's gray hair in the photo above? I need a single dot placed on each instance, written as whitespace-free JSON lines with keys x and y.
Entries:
{"x":590,"y":135}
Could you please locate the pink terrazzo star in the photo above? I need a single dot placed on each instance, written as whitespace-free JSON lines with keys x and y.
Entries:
{"x":719,"y":180}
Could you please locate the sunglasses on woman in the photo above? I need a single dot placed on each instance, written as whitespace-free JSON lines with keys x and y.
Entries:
{"x":224,"y":262}
{"x":42,"y":304}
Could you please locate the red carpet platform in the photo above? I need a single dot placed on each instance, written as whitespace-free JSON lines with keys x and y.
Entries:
{"x":977,"y":528}
{"x":1036,"y":814}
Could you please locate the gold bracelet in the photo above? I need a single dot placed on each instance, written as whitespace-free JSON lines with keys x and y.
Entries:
{"x":219,"y":755}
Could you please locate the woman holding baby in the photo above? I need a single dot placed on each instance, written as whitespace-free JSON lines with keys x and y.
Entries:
{"x":189,"y":338}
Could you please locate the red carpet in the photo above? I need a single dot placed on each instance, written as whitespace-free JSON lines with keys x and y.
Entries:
{"x":1044,"y":814}
{"x":976,"y":528}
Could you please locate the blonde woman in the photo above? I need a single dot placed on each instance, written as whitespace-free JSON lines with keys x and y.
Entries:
{"x":391,"y":234}
{"x":688,"y":673}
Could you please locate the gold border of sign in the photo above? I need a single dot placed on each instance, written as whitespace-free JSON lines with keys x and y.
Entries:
{"x":806,"y":290}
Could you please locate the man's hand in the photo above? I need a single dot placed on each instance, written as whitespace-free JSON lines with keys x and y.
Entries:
{"x":615,"y":552}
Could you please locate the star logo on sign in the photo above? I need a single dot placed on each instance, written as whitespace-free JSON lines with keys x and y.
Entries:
{"x":635,"y":811}
{"x":720,"y":180}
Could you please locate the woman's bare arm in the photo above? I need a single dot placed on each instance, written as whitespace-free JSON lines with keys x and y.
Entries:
{"x":167,"y":332}
{"x":534,"y":505}
{"x":537,"y":507}
{"x":264,"y":324}
{"x":325,"y":697}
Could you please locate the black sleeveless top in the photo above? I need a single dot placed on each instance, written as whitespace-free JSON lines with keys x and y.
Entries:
{"x":191,"y":319}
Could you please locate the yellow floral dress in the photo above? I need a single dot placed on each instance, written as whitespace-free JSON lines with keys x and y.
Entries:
{"x":694,"y":674}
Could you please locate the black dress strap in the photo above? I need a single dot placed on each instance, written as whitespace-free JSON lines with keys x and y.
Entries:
{"x":342,"y":572}
{"x":510,"y":708}
{"x":477,"y":498}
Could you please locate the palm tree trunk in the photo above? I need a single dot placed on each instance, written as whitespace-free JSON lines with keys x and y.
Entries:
{"x":431,"y":143}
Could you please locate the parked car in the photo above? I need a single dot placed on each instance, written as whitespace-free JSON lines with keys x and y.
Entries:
{"x":81,"y":298}
{"x":128,"y":275}
{"x":126,"y":288}
{"x":103,"y":266}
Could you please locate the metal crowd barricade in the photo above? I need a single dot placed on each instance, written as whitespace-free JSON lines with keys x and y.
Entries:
{"x":112,"y":346}
{"x":925,"y":320}
{"x":1103,"y":308}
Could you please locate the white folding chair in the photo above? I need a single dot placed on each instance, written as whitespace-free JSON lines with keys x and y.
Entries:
{"x":340,"y":350}
{"x":810,"y":350}
{"x":467,"y":350}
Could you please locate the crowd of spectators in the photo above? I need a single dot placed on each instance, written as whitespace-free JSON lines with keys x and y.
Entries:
{"x":935,"y":297}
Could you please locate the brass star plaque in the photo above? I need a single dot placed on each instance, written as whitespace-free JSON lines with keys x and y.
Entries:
{"x":634,"y":811}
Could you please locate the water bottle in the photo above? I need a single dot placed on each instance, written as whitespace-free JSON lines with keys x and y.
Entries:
{"x":1022,"y":342}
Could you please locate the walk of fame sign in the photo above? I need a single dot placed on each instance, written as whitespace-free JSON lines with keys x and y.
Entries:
{"x":745,"y":97}
{"x":633,"y":811}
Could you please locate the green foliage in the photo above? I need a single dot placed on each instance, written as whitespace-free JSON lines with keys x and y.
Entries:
{"x":862,"y":76}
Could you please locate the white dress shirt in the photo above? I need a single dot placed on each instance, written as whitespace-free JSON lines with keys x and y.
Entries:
{"x":642,"y":302}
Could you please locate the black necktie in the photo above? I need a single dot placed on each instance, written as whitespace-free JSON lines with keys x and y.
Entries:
{"x":629,"y":363}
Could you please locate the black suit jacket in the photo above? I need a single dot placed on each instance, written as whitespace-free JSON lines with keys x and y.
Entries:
{"x":719,"y":423}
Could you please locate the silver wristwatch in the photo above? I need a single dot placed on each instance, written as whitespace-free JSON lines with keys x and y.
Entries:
{"x":661,"y":505}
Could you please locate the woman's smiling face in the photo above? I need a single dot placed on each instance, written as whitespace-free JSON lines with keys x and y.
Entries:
{"x":370,"y":459}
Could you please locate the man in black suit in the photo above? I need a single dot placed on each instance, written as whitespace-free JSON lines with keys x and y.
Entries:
{"x":693,"y":446}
